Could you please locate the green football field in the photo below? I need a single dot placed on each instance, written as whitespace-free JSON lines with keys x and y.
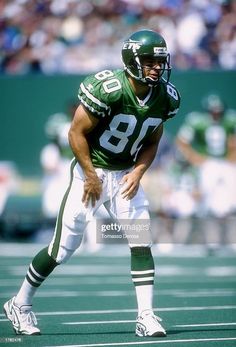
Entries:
{"x":90,"y":302}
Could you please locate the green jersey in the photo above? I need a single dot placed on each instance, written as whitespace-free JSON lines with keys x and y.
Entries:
{"x":125,"y":122}
{"x":206,"y":135}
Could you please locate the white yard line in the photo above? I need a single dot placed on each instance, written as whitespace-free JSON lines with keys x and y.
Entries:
{"x":164,"y":309}
{"x":123,"y":269}
{"x":61,"y":281}
{"x":204,"y":325}
{"x":100,"y":322}
{"x":132,"y":321}
{"x":138,"y":343}
{"x":18,"y":250}
{"x":191,"y":293}
{"x":121,"y":279}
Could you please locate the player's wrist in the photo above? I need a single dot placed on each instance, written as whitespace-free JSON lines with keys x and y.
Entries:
{"x":91,"y":176}
{"x":140,"y":170}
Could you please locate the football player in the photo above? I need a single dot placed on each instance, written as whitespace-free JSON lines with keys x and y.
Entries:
{"x":114,"y":137}
{"x":207,"y":141}
{"x":208,"y":134}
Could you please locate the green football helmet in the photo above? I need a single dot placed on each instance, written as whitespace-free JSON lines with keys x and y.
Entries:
{"x":213,"y":103}
{"x":53,"y":125}
{"x":145,"y":44}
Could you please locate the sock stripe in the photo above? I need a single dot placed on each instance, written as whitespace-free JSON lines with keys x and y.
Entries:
{"x":135,"y":280}
{"x":31,"y":282}
{"x":35,"y":274}
{"x":33,"y":279}
{"x":145,"y":272}
{"x":143,"y":283}
{"x":143,"y":276}
{"x":142,"y":267}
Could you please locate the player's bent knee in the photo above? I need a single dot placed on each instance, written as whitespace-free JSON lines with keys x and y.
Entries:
{"x":64,"y":254}
{"x":141,"y":245}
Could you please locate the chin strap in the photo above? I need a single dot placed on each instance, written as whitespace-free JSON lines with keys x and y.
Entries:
{"x":152,"y":83}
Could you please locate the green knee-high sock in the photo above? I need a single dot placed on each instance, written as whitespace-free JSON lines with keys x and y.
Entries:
{"x":142,"y":272}
{"x":42,"y":265}
{"x":142,"y":266}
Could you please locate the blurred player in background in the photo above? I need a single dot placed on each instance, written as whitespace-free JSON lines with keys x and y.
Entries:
{"x":55,"y":160}
{"x":114,"y":136}
{"x":207,"y":141}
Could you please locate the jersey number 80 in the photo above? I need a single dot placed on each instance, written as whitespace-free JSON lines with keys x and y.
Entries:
{"x":130,"y":134}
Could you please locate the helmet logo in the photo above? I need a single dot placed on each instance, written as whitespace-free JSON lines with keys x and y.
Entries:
{"x":134,"y":45}
{"x":159,"y":51}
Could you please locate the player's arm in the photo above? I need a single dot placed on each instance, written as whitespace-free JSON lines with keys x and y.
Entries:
{"x":231,"y":148}
{"x":84,"y":122}
{"x":144,"y":160}
{"x":189,"y":153}
{"x":231,"y":137}
{"x":185,"y":138}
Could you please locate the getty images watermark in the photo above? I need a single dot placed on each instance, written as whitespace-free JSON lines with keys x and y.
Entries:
{"x":137,"y":232}
{"x":10,"y":339}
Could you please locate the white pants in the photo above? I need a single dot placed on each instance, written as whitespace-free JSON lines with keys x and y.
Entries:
{"x":217,"y":185}
{"x":73,"y":215}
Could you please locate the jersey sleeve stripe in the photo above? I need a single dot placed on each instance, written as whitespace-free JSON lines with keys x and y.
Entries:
{"x":90,"y":108}
{"x":92,"y":98}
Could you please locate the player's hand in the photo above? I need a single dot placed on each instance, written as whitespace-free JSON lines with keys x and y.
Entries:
{"x":130,"y":181}
{"x":92,"y":190}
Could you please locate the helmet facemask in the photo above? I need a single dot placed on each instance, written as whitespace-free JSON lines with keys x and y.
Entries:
{"x":163,"y":72}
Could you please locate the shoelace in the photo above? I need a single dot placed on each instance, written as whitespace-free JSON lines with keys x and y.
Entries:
{"x":157,"y":318}
{"x":31,"y":319}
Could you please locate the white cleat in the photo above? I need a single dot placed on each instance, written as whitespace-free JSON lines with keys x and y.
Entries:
{"x":22,"y":318}
{"x":148,"y":325}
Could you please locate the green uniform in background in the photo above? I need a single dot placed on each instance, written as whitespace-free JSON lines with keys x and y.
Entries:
{"x":206,"y":135}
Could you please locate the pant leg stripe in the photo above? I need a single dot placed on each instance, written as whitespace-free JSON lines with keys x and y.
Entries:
{"x":58,"y":230}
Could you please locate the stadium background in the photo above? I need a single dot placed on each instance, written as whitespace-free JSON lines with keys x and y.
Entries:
{"x":27,"y":102}
{"x":196,"y":287}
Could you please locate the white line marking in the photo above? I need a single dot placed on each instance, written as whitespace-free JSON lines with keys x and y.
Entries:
{"x":218,"y":271}
{"x":132,"y":321}
{"x":165,"y":309}
{"x":224,"y":292}
{"x":203,"y":325}
{"x":99,"y":322}
{"x":201,"y":293}
{"x":123,"y":269}
{"x":149,"y":342}
{"x":60,"y":281}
